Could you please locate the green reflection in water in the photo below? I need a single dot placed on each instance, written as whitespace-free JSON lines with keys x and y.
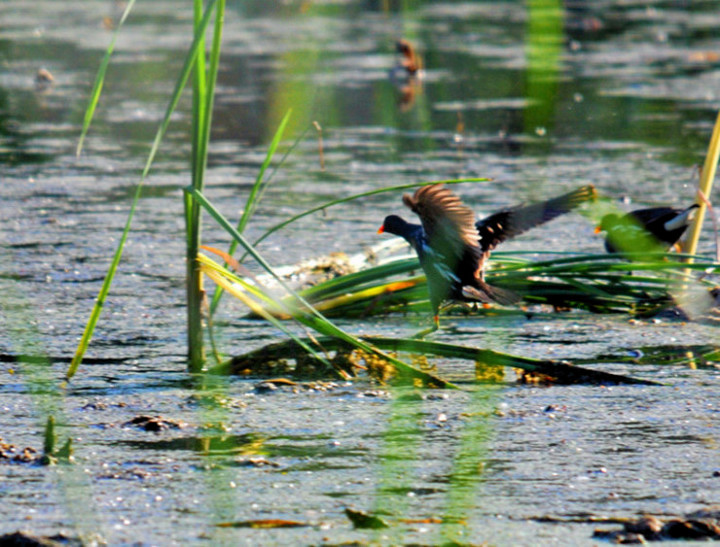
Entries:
{"x":468,"y":465}
{"x":545,"y":38}
{"x":403,"y":490}
{"x":398,"y":458}
{"x":48,"y":399}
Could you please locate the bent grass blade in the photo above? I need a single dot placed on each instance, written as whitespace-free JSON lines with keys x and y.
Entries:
{"x":237,"y":287}
{"x":309,"y":316}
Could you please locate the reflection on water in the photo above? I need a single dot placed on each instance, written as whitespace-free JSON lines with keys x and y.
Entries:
{"x":621,"y":95}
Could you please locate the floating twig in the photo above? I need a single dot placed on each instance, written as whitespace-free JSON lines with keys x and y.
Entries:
{"x":318,"y":127}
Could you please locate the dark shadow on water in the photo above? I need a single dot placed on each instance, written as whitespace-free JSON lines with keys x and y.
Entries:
{"x":694,"y":356}
{"x":314,"y":449}
{"x":249,"y":443}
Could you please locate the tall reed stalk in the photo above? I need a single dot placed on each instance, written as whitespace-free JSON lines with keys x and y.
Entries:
{"x":204,"y":81}
{"x":706,"y":181}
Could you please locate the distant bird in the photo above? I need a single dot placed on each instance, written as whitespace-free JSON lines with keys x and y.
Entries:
{"x":410,"y":63}
{"x":406,"y":75}
{"x":43,"y":80}
{"x":645,"y":230}
{"x":453,"y":249}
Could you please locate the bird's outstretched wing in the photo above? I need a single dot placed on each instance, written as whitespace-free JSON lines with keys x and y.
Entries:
{"x":448,"y":223}
{"x":509,"y":223}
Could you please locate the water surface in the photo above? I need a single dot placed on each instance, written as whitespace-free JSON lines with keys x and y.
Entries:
{"x":623,"y":95}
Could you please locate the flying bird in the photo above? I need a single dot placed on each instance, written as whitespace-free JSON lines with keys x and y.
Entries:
{"x":453,"y":248}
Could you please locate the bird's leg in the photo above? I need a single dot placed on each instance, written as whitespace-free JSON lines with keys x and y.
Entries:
{"x":435,"y":326}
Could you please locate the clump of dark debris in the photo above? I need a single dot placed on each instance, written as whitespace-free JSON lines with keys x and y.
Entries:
{"x":24,"y":539}
{"x":12,"y":453}
{"x":700,"y":525}
{"x":154,"y":423}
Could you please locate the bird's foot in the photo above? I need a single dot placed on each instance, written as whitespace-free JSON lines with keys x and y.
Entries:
{"x":435,"y":326}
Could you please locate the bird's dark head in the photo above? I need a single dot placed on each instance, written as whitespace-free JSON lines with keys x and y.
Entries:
{"x":393,"y":224}
{"x":404,"y":47}
{"x":411,"y":61}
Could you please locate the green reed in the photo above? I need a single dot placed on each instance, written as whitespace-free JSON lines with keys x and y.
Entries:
{"x":203,"y":99}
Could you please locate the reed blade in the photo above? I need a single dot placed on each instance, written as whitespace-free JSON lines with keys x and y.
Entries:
{"x":100,"y":80}
{"x":706,"y":182}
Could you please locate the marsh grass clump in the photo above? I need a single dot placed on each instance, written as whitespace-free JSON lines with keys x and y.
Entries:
{"x":599,"y":283}
{"x":51,"y":454}
{"x":292,"y":360}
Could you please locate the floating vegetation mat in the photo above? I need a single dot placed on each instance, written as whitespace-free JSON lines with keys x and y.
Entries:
{"x":599,"y":283}
{"x":596,"y":283}
{"x":289,"y":358}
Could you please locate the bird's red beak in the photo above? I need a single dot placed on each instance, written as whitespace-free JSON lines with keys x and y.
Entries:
{"x":381,"y":229}
{"x":598,"y":229}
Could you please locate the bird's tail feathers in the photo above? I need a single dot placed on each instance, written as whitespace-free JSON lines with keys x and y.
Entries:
{"x":683,"y":219}
{"x":488,"y":293}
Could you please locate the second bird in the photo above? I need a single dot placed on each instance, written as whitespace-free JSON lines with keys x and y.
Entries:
{"x":646,"y":230}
